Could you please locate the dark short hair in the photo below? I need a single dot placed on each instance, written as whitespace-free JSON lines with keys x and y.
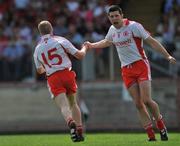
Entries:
{"x":113,"y":8}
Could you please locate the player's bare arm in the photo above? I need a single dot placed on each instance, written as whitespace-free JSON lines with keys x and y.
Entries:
{"x":157,"y":46}
{"x":41,"y":70}
{"x":101,"y":44}
{"x":81,"y":53}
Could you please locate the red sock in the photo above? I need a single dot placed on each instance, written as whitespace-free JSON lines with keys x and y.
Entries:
{"x":69,"y":121}
{"x":80,"y":130}
{"x":150,"y":131}
{"x":160,"y":124}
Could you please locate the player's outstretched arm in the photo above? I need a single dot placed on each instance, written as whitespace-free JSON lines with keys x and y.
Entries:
{"x":101,"y":44}
{"x":157,"y":46}
{"x":81,"y":53}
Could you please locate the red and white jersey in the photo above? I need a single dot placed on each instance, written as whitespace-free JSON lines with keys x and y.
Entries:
{"x":128,"y":41}
{"x":51,"y":53}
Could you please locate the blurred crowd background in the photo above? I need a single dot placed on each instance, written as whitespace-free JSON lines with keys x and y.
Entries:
{"x":78,"y":21}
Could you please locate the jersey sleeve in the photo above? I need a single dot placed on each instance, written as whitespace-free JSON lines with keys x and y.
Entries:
{"x":69,"y":47}
{"x":109,"y":35}
{"x":36,"y":60}
{"x":139,"y":31}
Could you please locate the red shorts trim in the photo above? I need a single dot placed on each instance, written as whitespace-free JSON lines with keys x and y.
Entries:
{"x":62,"y":82}
{"x":136,"y":72}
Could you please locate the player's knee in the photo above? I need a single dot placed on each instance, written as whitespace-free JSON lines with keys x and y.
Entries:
{"x":139,"y":105}
{"x":148,"y":102}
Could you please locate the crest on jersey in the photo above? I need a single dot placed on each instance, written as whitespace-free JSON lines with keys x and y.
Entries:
{"x":126,"y":33}
{"x":113,"y":35}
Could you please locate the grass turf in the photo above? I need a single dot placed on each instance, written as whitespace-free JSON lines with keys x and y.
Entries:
{"x":108,"y":139}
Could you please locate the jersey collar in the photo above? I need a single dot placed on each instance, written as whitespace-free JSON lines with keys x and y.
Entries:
{"x":126,"y":22}
{"x":46,"y":36}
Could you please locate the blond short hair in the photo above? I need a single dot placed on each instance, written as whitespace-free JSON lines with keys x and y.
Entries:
{"x":45,"y":27}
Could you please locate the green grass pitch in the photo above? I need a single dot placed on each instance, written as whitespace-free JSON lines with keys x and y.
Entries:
{"x":105,"y":139}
